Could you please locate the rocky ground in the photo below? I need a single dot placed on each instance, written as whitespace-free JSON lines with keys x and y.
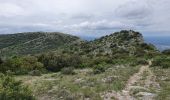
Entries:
{"x":140,"y":86}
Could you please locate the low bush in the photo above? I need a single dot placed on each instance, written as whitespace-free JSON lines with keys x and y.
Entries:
{"x":55,"y":62}
{"x":35,"y":73}
{"x":148,"y":46}
{"x":122,"y":61}
{"x":99,"y":69}
{"x":166,"y":52}
{"x":21,"y":65}
{"x":1,"y":61}
{"x":10,"y":89}
{"x":142,"y":62}
{"x":68,"y":71}
{"x":139,"y":62}
{"x":161,"y":61}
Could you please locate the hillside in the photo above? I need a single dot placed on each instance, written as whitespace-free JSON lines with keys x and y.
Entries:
{"x":33,"y":42}
{"x":119,"y":66}
{"x":126,"y":42}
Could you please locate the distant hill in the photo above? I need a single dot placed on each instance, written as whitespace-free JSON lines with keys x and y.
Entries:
{"x":33,"y":42}
{"x":126,"y":42}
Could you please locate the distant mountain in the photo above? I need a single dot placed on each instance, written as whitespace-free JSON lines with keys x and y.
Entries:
{"x":33,"y":42}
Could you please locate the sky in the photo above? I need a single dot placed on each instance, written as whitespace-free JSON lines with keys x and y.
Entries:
{"x":85,"y":17}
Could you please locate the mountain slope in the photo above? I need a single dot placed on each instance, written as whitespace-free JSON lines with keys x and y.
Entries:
{"x":123,"y":42}
{"x":33,"y":42}
{"x":7,"y":40}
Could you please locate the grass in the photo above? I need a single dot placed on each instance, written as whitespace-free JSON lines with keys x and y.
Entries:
{"x":83,"y":84}
{"x":163,"y":78}
{"x":145,"y":74}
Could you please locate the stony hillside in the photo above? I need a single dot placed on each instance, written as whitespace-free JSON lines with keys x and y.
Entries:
{"x":119,"y":66}
{"x":33,"y":42}
{"x":123,"y":42}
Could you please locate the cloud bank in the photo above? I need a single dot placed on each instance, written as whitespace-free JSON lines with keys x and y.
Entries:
{"x":84,"y":17}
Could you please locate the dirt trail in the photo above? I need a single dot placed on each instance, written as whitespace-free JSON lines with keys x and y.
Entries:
{"x":125,"y":93}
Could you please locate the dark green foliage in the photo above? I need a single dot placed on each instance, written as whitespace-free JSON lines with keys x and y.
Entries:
{"x":99,"y":69}
{"x":68,"y":71}
{"x":148,"y":46}
{"x":123,"y":60}
{"x":21,"y":65}
{"x":7,"y":40}
{"x":139,"y":61}
{"x":166,"y":52}
{"x":161,"y":61}
{"x":142,"y":62}
{"x":55,"y":62}
{"x":11,"y":89}
{"x":1,"y":61}
{"x":34,"y":64}
{"x":33,"y":42}
{"x":101,"y":59}
{"x":35,"y":73}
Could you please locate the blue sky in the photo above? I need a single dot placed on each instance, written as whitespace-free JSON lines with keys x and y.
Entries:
{"x":85,"y":17}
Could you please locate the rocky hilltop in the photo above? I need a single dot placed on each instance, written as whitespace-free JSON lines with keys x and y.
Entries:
{"x":124,"y":42}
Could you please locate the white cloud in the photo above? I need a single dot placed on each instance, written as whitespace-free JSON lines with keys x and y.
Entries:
{"x":99,"y":25}
{"x":10,"y":10}
{"x":82,"y":15}
{"x":134,"y":10}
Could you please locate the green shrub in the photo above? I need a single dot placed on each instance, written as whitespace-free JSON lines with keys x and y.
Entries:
{"x":148,"y":46}
{"x":117,"y":85}
{"x":21,"y":65}
{"x":100,"y":60}
{"x":99,"y":69}
{"x":166,"y":52}
{"x":122,"y":61}
{"x":139,"y":62}
{"x":35,"y":73}
{"x":31,"y":63}
{"x":11,"y":89}
{"x":68,"y":71}
{"x":55,"y":62}
{"x":1,"y":61}
{"x":152,"y":54}
{"x":161,"y":61}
